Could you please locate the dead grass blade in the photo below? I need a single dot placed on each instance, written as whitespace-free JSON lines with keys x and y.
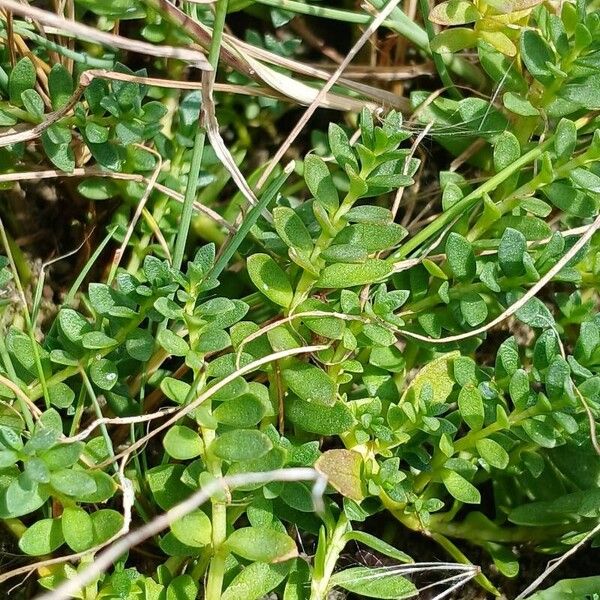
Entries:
{"x":367,"y":33}
{"x":191,"y":55}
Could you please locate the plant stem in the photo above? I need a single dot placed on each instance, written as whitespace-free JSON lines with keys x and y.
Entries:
{"x":98,"y":411}
{"x":469,"y":201}
{"x":13,"y":376}
{"x":216,"y":571}
{"x":198,"y":151}
{"x":335,"y":545}
{"x":454,"y":551}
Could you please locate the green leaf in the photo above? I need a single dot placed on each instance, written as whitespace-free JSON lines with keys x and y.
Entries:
{"x":585,"y":93}
{"x":140,"y":345}
{"x":213,"y":339}
{"x":97,"y":340}
{"x":291,"y":229}
{"x":241,"y":445}
{"x":175,"y":389}
{"x":320,"y":183}
{"x":106,"y":523}
{"x":500,"y":41}
{"x":454,"y":40}
{"x":182,"y":443}
{"x":167,"y":308}
{"x":172,"y":343}
{"x":473,"y":308}
{"x":506,"y":150}
{"x":329,"y":327}
{"x":504,"y":559}
{"x":72,"y":325}
{"x":535,"y":314}
{"x":245,"y":411}
{"x":585,"y":179}
{"x":8,"y":458}
{"x":343,"y":469}
{"x":62,"y":456}
{"x":10,"y":439}
{"x":470,"y":404}
{"x":362,"y":537}
{"x":570,"y":589}
{"x":166,"y":486}
{"x":310,"y":383}
{"x":43,"y":537}
{"x":193,"y":529}
{"x":535,"y":53}
{"x":345,"y":253}
{"x":374,"y":583}
{"x":435,"y":375}
{"x":519,"y":388}
{"x":373,"y":237}
{"x":61,"y":155}
{"x":21,"y":78}
{"x":460,"y":488}
{"x":60,"y":86}
{"x":21,"y":498}
{"x":565,"y":139}
{"x":263,"y":544}
{"x":368,"y":213}
{"x":256,"y":580}
{"x":570,"y":200}
{"x":298,"y":581}
{"x":501,"y":69}
{"x":493,"y":453}
{"x":97,"y":189}
{"x":73,"y":482}
{"x":96,"y":134}
{"x":182,"y":587}
{"x":33,"y":104}
{"x":346,"y":275}
{"x":454,"y":12}
{"x":61,"y":395}
{"x":341,"y":149}
{"x":460,"y":257}
{"x":270,"y":280}
{"x":519,"y":105}
{"x":77,"y":529}
{"x":104,"y":374}
{"x":318,"y":418}
{"x":511,"y":252}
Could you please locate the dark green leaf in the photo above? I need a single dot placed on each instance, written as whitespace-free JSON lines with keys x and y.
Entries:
{"x":511,"y":252}
{"x":60,"y":86}
{"x":22,"y":77}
